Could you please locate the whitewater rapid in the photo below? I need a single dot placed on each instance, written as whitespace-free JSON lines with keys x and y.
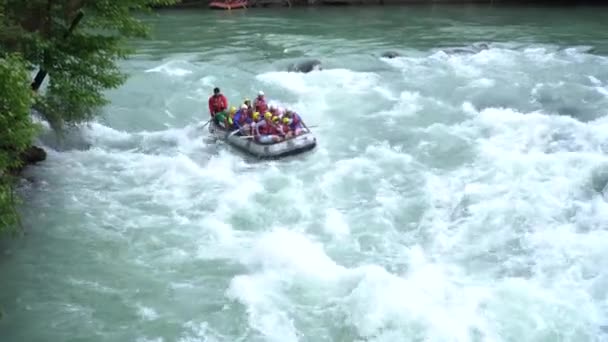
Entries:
{"x":451,"y":197}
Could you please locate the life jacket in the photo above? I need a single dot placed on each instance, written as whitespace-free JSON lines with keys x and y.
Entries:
{"x":241,"y":117}
{"x":296,"y":122}
{"x":261,"y":106}
{"x":218,"y":103}
{"x":267,"y":129}
{"x":274,"y":130}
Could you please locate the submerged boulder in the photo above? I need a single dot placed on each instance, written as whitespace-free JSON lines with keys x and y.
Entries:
{"x":390,"y":54}
{"x":305,"y":66}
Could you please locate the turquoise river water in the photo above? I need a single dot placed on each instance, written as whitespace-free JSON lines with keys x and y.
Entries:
{"x":456,"y":193}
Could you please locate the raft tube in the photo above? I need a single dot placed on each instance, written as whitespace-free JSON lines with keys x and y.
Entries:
{"x":292,"y":146}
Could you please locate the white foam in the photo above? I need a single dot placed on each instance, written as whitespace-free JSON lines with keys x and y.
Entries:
{"x":292,"y":253}
{"x":171,"y":68}
{"x":258,"y":294}
{"x":315,"y":83}
{"x":147,"y":313}
{"x":145,"y":339}
{"x":370,"y":235}
{"x":335,"y":223}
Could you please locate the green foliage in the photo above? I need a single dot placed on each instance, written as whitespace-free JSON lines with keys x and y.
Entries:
{"x":16,"y":130}
{"x":80,"y":67}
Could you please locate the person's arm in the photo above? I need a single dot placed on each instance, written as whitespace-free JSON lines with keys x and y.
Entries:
{"x":225,"y":102}
{"x":257,"y":127}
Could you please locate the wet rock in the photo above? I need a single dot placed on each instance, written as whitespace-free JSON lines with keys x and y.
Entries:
{"x":33,"y":155}
{"x":305,"y":66}
{"x":390,"y":54}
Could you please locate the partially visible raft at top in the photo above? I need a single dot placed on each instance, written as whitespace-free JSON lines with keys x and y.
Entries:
{"x":228,"y":4}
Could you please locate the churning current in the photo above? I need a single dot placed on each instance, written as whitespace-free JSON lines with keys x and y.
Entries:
{"x":457,"y":191}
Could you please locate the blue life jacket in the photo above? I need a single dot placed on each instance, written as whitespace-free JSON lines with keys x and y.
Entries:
{"x":237,"y":119}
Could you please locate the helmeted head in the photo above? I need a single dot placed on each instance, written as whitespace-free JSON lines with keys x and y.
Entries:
{"x":216,"y":91}
{"x":244,"y":107}
{"x":232,"y":110}
{"x":247,"y":102}
{"x":275,"y":119}
{"x":267,"y":115}
{"x":256,"y":116}
{"x":260,"y":94}
{"x":286,"y":120}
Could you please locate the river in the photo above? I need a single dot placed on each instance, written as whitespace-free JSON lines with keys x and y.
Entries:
{"x":456,"y":193}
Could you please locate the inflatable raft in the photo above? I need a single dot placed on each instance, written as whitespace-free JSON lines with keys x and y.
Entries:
{"x":229,"y":4}
{"x":292,"y":146}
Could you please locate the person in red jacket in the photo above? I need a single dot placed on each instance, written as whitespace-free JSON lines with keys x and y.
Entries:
{"x":218,"y":105}
{"x":260,"y":103}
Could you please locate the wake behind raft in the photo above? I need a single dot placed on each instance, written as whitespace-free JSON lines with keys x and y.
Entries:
{"x":303,"y":142}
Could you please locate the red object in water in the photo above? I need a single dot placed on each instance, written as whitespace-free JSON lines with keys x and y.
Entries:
{"x":229,"y":4}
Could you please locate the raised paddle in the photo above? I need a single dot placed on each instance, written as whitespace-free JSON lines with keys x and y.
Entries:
{"x":206,"y":123}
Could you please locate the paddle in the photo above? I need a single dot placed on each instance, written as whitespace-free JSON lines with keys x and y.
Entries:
{"x":206,"y":123}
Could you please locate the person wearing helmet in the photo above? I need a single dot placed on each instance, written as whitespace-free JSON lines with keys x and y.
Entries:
{"x":242,"y":121}
{"x":276,"y":128}
{"x":247,"y":103}
{"x":217,"y":104}
{"x":260,"y":103}
{"x":295,"y":122}
{"x":224,"y":119}
{"x":285,"y":127}
{"x":231,"y":114}
{"x":221,"y":119}
{"x":263,"y":130}
{"x":256,"y":117}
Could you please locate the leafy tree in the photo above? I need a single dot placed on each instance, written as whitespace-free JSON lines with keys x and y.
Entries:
{"x":16,"y":131}
{"x":81,"y":64}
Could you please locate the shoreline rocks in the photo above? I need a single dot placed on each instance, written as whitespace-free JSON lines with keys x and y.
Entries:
{"x":32,"y":155}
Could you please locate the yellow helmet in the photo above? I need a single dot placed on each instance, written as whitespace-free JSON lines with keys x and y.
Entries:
{"x":232,"y":110}
{"x":275,"y":119}
{"x":256,"y":115}
{"x":285,"y":120}
{"x":267,"y":115}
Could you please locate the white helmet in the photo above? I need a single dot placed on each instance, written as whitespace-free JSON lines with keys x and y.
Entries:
{"x":260,"y":93}
{"x":243,"y":106}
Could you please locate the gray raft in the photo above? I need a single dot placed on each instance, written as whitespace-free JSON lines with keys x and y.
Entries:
{"x":292,"y":146}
